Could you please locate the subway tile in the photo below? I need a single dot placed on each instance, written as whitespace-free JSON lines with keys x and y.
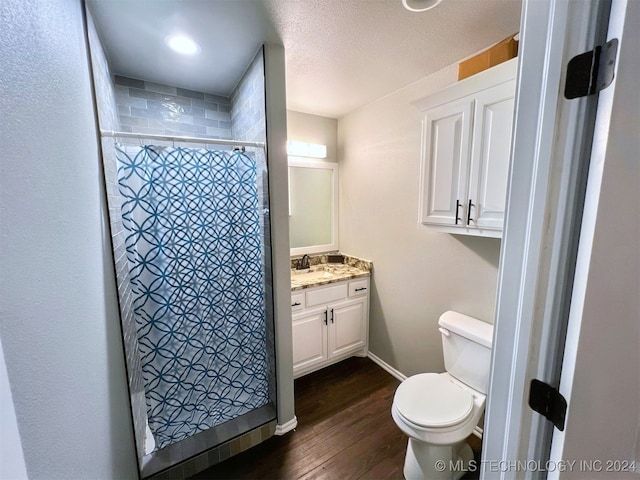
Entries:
{"x":207,"y":122}
{"x":222,"y":124}
{"x":216,"y":99}
{"x":134,"y":121}
{"x":146,"y":113}
{"x":219,"y":132}
{"x":192,"y":128}
{"x":214,"y":114}
{"x":150,"y":131}
{"x":190,"y":93}
{"x":224,"y":108}
{"x":159,"y":88}
{"x":124,"y":110}
{"x":129,"y":82}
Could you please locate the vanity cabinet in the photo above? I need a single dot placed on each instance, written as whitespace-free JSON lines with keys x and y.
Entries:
{"x":466,"y":150}
{"x":330,"y":323}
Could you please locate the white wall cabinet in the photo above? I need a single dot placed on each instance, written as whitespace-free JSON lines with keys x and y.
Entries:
{"x":466,"y":153}
{"x":330,"y":323}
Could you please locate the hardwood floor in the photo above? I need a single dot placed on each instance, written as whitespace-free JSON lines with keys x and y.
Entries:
{"x":345,"y":431}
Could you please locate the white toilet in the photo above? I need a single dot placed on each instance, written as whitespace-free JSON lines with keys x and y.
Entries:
{"x":438,"y":411}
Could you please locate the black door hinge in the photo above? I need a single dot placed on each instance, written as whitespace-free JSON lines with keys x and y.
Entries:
{"x":549,"y":402}
{"x":592,"y":71}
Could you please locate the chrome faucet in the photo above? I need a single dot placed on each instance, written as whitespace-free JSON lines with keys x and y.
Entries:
{"x":303,"y":262}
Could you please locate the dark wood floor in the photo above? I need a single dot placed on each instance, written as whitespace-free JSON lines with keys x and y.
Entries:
{"x":345,"y":431}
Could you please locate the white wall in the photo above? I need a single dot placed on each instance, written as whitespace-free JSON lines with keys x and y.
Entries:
{"x":417,"y":274}
{"x":60,"y":329}
{"x":303,"y":127}
{"x":279,"y":205}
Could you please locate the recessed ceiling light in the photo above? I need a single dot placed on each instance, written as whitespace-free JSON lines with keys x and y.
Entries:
{"x":419,"y":5}
{"x":182,"y":44}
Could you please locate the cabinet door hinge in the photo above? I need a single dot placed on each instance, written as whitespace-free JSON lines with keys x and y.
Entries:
{"x":592,"y":71}
{"x":549,"y":402}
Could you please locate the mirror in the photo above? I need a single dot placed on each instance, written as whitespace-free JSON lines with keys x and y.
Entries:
{"x":313,"y":206}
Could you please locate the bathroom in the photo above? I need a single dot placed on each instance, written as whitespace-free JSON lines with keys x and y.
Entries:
{"x":73,"y":392}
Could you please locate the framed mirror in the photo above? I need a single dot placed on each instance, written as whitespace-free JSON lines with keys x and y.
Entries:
{"x":313,"y":206}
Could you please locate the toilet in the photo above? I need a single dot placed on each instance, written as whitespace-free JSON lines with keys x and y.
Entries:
{"x":438,"y":411}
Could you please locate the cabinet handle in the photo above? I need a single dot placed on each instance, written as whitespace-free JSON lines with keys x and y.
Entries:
{"x":325,"y":318}
{"x":360,"y":289}
{"x":332,"y":315}
{"x":469,"y":219}
{"x":297,"y":304}
{"x":458,"y":204}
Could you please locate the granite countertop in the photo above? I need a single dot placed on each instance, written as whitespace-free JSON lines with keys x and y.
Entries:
{"x":322,"y":273}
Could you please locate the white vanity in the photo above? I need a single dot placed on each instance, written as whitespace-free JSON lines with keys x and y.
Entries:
{"x":330,"y":314}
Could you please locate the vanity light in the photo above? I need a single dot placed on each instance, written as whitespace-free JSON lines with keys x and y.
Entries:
{"x":302,"y":149}
{"x":182,"y":44}
{"x":419,"y":5}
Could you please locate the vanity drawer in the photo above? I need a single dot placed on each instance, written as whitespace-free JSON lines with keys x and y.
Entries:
{"x":297,"y":301}
{"x":326,"y":295}
{"x":359,"y":287}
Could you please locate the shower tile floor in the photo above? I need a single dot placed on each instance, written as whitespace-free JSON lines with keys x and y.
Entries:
{"x":345,"y":431}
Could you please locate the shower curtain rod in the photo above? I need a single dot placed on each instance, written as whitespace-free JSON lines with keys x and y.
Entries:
{"x":212,"y":141}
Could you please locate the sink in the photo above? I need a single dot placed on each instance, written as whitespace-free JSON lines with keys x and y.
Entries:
{"x":312,"y":275}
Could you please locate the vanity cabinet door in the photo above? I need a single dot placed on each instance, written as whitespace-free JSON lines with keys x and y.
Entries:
{"x":347,"y":326}
{"x":490,"y":157}
{"x":309,"y":339}
{"x":445,"y":162}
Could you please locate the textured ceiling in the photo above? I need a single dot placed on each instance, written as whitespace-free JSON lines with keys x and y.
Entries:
{"x":340,"y":54}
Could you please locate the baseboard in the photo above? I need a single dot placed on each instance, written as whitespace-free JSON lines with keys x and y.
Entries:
{"x":286,"y":427}
{"x":385,"y":366}
{"x":478,"y":432}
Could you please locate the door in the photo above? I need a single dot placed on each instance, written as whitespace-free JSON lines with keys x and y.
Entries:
{"x":445,"y":162}
{"x":347,"y":326}
{"x":600,"y":376}
{"x":553,"y":165}
{"x":309,"y":339}
{"x":490,"y":156}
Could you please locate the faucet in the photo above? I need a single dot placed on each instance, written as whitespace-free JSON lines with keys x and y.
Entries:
{"x":303,"y":262}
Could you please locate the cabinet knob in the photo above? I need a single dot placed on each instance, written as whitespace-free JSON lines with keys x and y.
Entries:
{"x":360,"y":289}
{"x":332,"y":315}
{"x":325,"y":318}
{"x":469,"y":219}
{"x":297,"y":304}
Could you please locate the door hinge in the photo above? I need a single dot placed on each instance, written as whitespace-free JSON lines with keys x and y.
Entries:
{"x":549,"y":402}
{"x":592,"y":71}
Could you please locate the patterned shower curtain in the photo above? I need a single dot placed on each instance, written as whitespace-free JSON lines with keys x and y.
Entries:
{"x":194,"y":249}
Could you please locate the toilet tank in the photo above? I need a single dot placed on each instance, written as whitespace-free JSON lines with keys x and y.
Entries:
{"x":466,"y":344}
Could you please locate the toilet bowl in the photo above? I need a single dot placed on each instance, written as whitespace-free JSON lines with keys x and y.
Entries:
{"x":438,"y":411}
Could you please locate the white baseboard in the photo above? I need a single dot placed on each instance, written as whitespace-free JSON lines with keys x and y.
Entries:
{"x":478,"y":432}
{"x":286,"y":427}
{"x":385,"y":366}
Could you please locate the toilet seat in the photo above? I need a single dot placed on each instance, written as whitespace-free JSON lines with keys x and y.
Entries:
{"x":430,"y":400}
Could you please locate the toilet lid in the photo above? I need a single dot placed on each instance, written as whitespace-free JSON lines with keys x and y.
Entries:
{"x":430,"y":400}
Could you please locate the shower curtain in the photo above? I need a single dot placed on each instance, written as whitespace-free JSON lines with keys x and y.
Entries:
{"x":194,"y":250}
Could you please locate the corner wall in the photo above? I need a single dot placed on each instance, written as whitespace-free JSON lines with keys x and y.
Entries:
{"x":58,"y":307}
{"x":417,"y":274}
{"x":303,"y":127}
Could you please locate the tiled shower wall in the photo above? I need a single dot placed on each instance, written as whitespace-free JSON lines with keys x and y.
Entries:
{"x":108,"y":120}
{"x":152,"y":108}
{"x":248,"y":122}
{"x":149,"y":108}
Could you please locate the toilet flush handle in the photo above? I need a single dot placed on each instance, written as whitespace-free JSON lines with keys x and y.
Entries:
{"x":444,"y":331}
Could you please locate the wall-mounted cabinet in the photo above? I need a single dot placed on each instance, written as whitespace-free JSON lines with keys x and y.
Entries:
{"x":466,"y":151}
{"x":330,"y":323}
